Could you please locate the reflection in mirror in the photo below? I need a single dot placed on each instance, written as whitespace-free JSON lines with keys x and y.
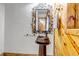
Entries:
{"x":41,"y":25}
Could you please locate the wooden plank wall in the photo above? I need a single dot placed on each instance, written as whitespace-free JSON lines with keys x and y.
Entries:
{"x":66,"y":41}
{"x":73,"y":10}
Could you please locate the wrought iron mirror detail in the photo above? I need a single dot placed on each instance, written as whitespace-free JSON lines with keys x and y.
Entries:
{"x":42,"y":20}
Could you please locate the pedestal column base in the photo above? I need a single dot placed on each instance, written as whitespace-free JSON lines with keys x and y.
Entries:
{"x":42,"y":50}
{"x":43,"y":41}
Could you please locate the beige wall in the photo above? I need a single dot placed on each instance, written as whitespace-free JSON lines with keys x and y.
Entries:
{"x":2,"y":25}
{"x":18,"y":19}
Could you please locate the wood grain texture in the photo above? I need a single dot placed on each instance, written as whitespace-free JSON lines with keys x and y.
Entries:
{"x":1,"y":54}
{"x":18,"y":54}
{"x":71,"y":11}
{"x":66,"y":42}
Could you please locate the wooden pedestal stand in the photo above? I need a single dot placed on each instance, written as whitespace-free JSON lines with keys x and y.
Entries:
{"x":42,"y":41}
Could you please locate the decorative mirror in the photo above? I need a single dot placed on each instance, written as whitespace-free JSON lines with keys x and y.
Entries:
{"x":42,"y":20}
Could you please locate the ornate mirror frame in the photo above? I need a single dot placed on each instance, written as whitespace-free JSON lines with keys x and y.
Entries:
{"x":42,"y":20}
